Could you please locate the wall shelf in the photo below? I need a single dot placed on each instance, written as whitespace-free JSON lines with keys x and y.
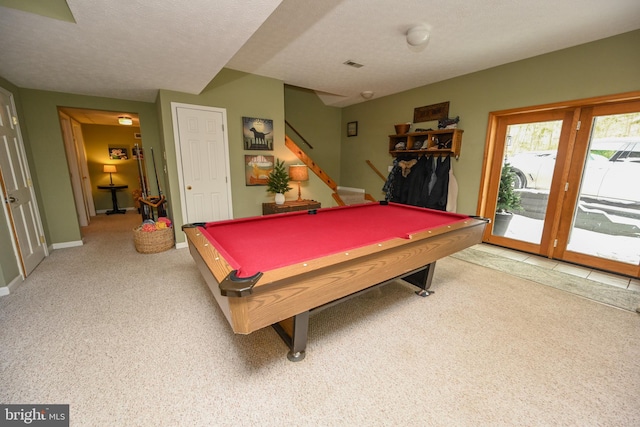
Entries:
{"x":441,"y":142}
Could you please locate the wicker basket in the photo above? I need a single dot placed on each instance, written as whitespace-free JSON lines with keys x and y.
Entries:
{"x":153,"y":242}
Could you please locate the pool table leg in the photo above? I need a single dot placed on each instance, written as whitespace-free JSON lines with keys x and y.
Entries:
{"x":293,"y":332}
{"x":422,"y":279}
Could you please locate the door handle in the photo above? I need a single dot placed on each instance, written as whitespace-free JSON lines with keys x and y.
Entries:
{"x":11,"y":199}
{"x":188,"y":187}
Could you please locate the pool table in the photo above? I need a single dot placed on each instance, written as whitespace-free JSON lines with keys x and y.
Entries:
{"x":276,"y":270}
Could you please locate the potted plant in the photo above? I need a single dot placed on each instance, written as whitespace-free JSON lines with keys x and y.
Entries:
{"x":278,"y":182}
{"x":508,"y":200}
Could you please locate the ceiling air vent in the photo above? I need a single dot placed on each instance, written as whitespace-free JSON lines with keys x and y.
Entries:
{"x":350,"y":63}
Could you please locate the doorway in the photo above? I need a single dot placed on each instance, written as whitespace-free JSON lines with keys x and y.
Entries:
{"x":78,"y":173}
{"x":570,"y":174}
{"x":88,"y":137}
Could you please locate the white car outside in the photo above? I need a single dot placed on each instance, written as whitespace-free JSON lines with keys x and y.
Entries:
{"x":615,"y":179}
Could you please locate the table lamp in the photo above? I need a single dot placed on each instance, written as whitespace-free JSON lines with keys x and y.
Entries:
{"x":109,"y":169}
{"x":299,"y":173}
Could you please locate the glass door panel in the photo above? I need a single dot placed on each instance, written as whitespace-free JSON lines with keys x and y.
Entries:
{"x":606,"y":220}
{"x":576,"y":173}
{"x":530,"y":159}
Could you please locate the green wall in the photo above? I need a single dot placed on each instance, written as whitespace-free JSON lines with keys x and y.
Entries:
{"x":97,"y":140}
{"x":604,"y":67}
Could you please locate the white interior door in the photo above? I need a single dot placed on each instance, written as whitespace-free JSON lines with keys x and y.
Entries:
{"x":78,"y":139}
{"x":74,"y":170}
{"x":203,"y":162}
{"x":19,"y":198}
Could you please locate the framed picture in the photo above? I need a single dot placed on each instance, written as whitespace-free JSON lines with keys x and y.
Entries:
{"x":431,"y":112}
{"x":352,"y":129}
{"x":257,"y":169}
{"x":257,"y":133}
{"x":118,"y":153}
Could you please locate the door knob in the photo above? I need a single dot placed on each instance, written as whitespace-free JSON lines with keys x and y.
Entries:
{"x":188,"y":187}
{"x":12,"y":199}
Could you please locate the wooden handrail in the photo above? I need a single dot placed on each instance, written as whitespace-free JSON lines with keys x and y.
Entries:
{"x":288,"y":142}
{"x":291,"y":145}
{"x":298,"y":133}
{"x":376,"y":170}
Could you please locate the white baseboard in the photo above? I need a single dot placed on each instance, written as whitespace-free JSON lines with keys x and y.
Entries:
{"x":12,"y":286}
{"x":65,"y":245}
{"x":182,"y":245}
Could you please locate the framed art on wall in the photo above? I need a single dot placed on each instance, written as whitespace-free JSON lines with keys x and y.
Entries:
{"x":431,"y":112}
{"x":257,"y":169}
{"x":352,"y":129}
{"x":118,"y":153}
{"x":257,"y":133}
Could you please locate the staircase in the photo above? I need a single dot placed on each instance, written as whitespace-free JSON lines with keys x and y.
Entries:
{"x":342,"y":195}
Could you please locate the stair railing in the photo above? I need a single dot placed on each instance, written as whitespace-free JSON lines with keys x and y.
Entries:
{"x":304,"y":158}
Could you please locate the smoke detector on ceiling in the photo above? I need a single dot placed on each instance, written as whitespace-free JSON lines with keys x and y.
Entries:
{"x":418,"y":35}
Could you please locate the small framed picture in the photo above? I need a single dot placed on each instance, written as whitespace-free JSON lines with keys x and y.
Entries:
{"x":352,"y":129}
{"x":118,"y":153}
{"x":257,"y":133}
{"x":257,"y":169}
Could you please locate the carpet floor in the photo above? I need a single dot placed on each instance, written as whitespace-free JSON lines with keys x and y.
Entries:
{"x":128,"y":339}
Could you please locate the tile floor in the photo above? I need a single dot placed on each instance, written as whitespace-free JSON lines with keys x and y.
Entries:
{"x":584,"y":272}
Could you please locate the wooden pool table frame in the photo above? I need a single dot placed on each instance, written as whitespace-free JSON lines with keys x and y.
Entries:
{"x":285,"y":297}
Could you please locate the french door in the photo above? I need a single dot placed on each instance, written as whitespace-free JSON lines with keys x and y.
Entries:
{"x":574,"y":173}
{"x":603,"y":228}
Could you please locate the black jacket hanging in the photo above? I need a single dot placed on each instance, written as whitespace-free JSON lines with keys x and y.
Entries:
{"x":415,"y":181}
{"x":437,"y":198}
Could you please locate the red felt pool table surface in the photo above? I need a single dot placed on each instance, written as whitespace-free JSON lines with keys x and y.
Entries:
{"x":259,"y":244}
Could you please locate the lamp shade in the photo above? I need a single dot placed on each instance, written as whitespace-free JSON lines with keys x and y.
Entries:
{"x":299,"y":173}
{"x":109,"y":169}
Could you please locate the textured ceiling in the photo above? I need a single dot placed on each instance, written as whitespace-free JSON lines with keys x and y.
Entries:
{"x":131,"y":51}
{"x":127,"y":50}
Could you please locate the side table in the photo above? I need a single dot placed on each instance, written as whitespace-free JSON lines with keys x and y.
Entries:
{"x":289,"y":206}
{"x":114,"y":199}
